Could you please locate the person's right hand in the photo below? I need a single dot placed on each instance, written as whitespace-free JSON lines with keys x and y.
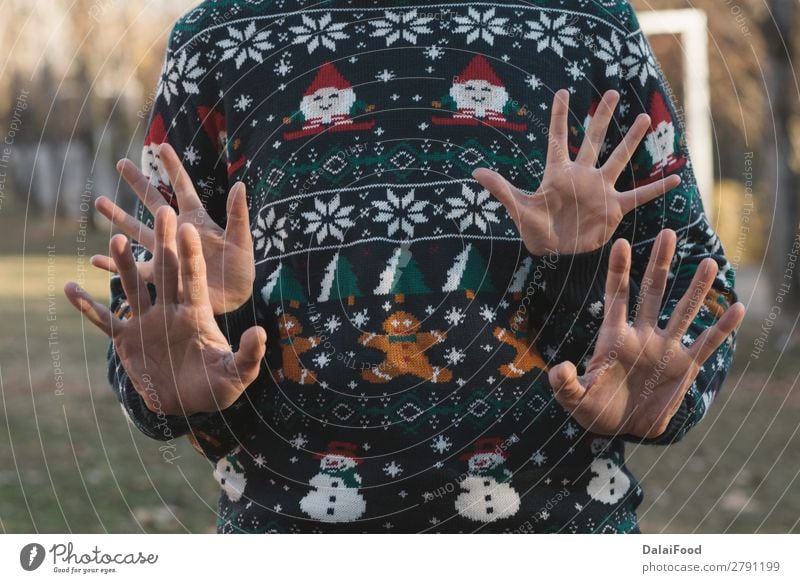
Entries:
{"x":173,"y":351}
{"x":228,"y":252}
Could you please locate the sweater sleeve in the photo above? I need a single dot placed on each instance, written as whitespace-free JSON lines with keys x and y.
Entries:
{"x":576,"y":287}
{"x":186,"y":114}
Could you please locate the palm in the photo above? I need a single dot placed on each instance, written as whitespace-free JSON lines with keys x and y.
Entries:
{"x":576,"y":208}
{"x":228,"y":252}
{"x":173,"y":351}
{"x":639,"y":373}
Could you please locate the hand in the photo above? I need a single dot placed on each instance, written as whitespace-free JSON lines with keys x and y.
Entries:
{"x":228,"y":253}
{"x":640,"y":373}
{"x":173,"y":351}
{"x":577,"y":207}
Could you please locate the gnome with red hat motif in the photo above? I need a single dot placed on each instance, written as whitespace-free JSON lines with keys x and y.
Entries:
{"x":334,"y":496}
{"x":487,"y":495}
{"x":216,"y":128}
{"x":152,"y":166}
{"x":663,"y":152}
{"x":328,"y":104}
{"x":478,"y":96}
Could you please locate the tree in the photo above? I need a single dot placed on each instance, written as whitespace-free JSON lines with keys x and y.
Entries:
{"x":282,"y":286}
{"x":340,"y":281}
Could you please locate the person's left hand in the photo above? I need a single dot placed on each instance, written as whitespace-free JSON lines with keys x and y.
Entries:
{"x":577,"y":207}
{"x":640,"y":373}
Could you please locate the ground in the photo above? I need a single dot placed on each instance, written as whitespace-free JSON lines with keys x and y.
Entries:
{"x":75,"y":465}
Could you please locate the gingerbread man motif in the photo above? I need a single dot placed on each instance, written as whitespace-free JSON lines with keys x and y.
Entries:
{"x":292,"y":346}
{"x":405,"y":348}
{"x":527,"y":357}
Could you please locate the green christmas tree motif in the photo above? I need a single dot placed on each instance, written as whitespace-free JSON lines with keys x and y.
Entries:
{"x":401,"y":276}
{"x":469,"y":273}
{"x":340,"y":281}
{"x":282,"y":286}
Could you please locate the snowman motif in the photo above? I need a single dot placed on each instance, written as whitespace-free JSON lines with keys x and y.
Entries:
{"x":334,"y":496}
{"x":230,"y":475}
{"x":609,"y":484}
{"x":487,"y":496}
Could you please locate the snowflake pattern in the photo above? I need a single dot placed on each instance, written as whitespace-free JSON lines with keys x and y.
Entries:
{"x":406,"y":25}
{"x":400,"y":213}
{"x":329,"y":219}
{"x":243,"y":103}
{"x":441,"y":444}
{"x":455,"y":316}
{"x":270,"y":232}
{"x":473,"y":208}
{"x":454,"y":355}
{"x":181,"y":71}
{"x":480,"y":26}
{"x":243,"y":44}
{"x":552,"y":33}
{"x":610,"y":52}
{"x":640,"y":63}
{"x":392,"y":469}
{"x":316,"y":33}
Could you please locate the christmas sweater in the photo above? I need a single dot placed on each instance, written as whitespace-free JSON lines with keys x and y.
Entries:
{"x":410,"y":331}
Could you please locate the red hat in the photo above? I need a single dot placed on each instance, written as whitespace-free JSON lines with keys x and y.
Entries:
{"x":486,"y":445}
{"x":342,"y":448}
{"x":213,"y":123}
{"x":659,"y":112}
{"x":157,"y":132}
{"x":327,"y":76}
{"x":479,"y":69}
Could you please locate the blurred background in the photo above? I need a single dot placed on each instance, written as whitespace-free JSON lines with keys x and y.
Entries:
{"x":76,"y":83}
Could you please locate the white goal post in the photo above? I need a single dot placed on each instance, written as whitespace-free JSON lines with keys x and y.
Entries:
{"x":692,"y":26}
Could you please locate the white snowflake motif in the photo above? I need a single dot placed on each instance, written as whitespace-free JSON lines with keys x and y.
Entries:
{"x":575,"y":71}
{"x":259,"y":461}
{"x":180,"y":71}
{"x":392,"y":469}
{"x":534,"y":82}
{"x":270,"y":231}
{"x":400,"y":213}
{"x":314,"y":33}
{"x":640,"y":62}
{"x":441,"y":444}
{"x":360,"y":319}
{"x":454,"y":356}
{"x":550,"y":33}
{"x":473,"y":208}
{"x":386,"y":75}
{"x":434,"y":52}
{"x":539,"y":458}
{"x":283,"y":67}
{"x":243,"y":44}
{"x":191,"y":156}
{"x":480,"y":26}
{"x":570,"y":431}
{"x":322,"y":360}
{"x":299,"y":441}
{"x":596,"y":308}
{"x":329,"y":219}
{"x":488,"y":313}
{"x":332,"y":324}
{"x":406,"y":25}
{"x":454,"y":316}
{"x":610,"y":52}
{"x":243,"y":103}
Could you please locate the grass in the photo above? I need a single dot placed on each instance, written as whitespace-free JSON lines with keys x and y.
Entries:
{"x":73,"y":464}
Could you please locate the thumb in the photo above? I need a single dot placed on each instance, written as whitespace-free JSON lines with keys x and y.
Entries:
{"x":567,"y":390}
{"x":252,"y":348}
{"x":502,"y":191}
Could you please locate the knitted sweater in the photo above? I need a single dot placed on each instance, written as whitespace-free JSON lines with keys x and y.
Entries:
{"x":404,"y":388}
